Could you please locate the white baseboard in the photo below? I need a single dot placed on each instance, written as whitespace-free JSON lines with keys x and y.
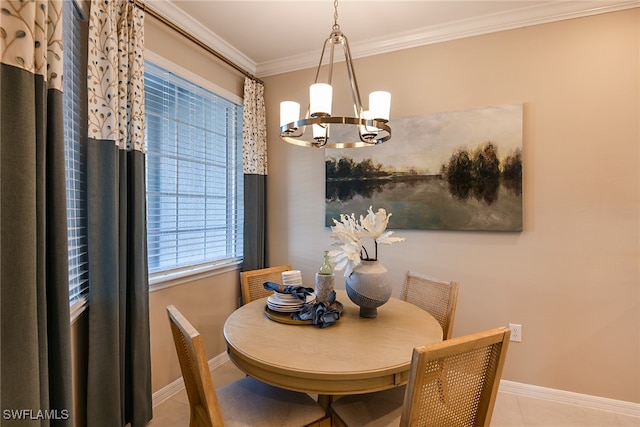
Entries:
{"x":561,"y":396}
{"x":177,"y":386}
{"x":511,"y":387}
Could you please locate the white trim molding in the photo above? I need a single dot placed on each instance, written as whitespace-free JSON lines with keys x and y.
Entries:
{"x":162,"y":281}
{"x":454,"y":30}
{"x":517,"y":18}
{"x":171,"y":12}
{"x":561,"y":396}
{"x":526,"y":390}
{"x":175,"y":387}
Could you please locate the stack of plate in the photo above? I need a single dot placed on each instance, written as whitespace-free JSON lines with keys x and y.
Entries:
{"x":287,"y":303}
{"x":292,"y":278}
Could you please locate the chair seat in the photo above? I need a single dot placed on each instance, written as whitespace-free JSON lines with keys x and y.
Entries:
{"x":249,"y":402}
{"x":379,"y":409}
{"x":384,"y":409}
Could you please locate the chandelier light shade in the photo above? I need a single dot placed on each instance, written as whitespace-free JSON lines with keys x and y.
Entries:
{"x":289,"y":112}
{"x":364,"y":129}
{"x":320,"y":95}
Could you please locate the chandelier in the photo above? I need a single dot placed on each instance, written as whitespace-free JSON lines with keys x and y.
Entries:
{"x":319,"y":128}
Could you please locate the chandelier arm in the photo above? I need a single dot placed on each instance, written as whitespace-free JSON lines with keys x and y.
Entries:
{"x":324,"y":46}
{"x":333,"y":45}
{"x":355,"y":92}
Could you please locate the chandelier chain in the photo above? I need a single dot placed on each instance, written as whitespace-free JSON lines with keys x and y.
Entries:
{"x":335,"y":15}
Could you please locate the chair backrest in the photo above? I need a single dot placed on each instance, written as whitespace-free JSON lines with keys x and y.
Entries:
{"x":205,"y":410}
{"x":437,"y":297}
{"x":455,"y":382}
{"x":252,"y":281}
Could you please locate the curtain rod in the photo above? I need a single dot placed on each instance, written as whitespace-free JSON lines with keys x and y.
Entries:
{"x":195,"y":40}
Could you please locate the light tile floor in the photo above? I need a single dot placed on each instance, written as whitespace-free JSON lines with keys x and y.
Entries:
{"x":510,"y":410}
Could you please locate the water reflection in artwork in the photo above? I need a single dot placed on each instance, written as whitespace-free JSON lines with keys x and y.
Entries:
{"x":447,"y":171}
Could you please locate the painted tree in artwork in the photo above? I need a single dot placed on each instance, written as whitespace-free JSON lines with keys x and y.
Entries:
{"x":512,"y":172}
{"x":512,"y":166}
{"x":475,"y":173}
{"x":346,"y":168}
{"x":485,"y":163}
{"x":485,"y":173}
{"x":458,"y":174}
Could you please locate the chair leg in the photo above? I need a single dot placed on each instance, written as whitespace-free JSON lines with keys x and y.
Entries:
{"x":324,"y":422}
{"x":336,"y":421}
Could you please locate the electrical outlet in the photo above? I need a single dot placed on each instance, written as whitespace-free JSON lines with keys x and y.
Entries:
{"x":516,"y":332}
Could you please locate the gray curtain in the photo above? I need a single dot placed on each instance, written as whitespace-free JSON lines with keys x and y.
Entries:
{"x":119,"y":371}
{"x":35,"y":370}
{"x":255,"y":176}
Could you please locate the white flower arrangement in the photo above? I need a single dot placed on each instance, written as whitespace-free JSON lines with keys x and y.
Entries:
{"x":350,"y":250}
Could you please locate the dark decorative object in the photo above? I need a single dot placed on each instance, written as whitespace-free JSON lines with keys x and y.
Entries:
{"x":369,"y":286}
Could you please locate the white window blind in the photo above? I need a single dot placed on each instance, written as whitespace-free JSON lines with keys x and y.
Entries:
{"x":194,"y":174}
{"x":73,"y":99}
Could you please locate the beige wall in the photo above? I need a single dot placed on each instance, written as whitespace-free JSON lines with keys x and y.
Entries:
{"x":163,"y":41}
{"x":571,"y":278}
{"x":206,"y":302}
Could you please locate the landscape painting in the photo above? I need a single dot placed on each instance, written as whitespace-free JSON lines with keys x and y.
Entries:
{"x":457,"y":170}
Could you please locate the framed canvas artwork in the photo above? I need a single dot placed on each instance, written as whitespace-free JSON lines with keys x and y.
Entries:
{"x":458,"y":170}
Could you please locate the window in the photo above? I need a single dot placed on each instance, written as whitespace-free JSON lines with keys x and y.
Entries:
{"x":194,"y":174}
{"x":74,"y":97}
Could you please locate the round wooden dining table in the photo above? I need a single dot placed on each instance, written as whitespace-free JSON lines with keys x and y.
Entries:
{"x":354,"y":355}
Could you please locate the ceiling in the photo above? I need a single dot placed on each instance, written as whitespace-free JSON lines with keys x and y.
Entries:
{"x":271,"y":37}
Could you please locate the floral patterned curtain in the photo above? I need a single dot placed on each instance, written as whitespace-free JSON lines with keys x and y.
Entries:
{"x":35,"y":373}
{"x":119,"y":372}
{"x":255,"y":175}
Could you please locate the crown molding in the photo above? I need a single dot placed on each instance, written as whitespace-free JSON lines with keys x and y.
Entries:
{"x":522,"y":17}
{"x":519,"y":18}
{"x":168,"y":10}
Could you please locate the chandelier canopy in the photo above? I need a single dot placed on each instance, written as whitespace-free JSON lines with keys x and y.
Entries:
{"x":319,"y":128}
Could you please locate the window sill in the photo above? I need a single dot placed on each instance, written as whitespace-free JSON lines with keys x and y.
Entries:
{"x":162,"y":281}
{"x":78,"y":307}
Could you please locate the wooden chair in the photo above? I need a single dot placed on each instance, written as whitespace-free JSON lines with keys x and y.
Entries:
{"x":246,"y":402}
{"x":436,"y":297}
{"x":252,"y":281}
{"x":451,"y":383}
